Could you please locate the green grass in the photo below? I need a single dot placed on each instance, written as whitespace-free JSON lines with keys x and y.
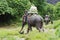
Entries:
{"x":34,"y":35}
{"x":13,"y":33}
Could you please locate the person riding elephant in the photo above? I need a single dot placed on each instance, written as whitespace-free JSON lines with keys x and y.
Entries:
{"x":33,"y":10}
{"x":48,"y":19}
{"x":30,"y":17}
{"x":32,"y":20}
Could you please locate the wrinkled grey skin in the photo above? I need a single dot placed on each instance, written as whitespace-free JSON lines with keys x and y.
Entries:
{"x":35,"y":21}
{"x":48,"y":19}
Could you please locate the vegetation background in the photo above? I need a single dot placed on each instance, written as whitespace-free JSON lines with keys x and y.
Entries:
{"x":11,"y":12}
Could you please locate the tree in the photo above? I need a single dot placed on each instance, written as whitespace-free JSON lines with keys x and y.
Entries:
{"x":19,"y":6}
{"x":39,"y":4}
{"x":3,"y":6}
{"x":57,"y":10}
{"x":14,"y":7}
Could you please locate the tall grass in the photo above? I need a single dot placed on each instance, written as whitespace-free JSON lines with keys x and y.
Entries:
{"x":13,"y":33}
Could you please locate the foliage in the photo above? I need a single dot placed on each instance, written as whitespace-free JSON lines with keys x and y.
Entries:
{"x":52,"y":10}
{"x":19,"y":6}
{"x":57,"y":10}
{"x":14,"y":6}
{"x":3,"y":6}
{"x":13,"y":33}
{"x":39,"y":4}
{"x":58,"y":31}
{"x":46,"y":8}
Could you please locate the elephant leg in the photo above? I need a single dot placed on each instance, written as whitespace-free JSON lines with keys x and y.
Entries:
{"x":51,"y":22}
{"x":37,"y":27}
{"x":23,"y":24}
{"x":41,"y":26}
{"x":29,"y":28}
{"x":47,"y":22}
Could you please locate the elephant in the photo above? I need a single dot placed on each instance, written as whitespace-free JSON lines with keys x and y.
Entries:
{"x":48,"y":19}
{"x":33,"y":21}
